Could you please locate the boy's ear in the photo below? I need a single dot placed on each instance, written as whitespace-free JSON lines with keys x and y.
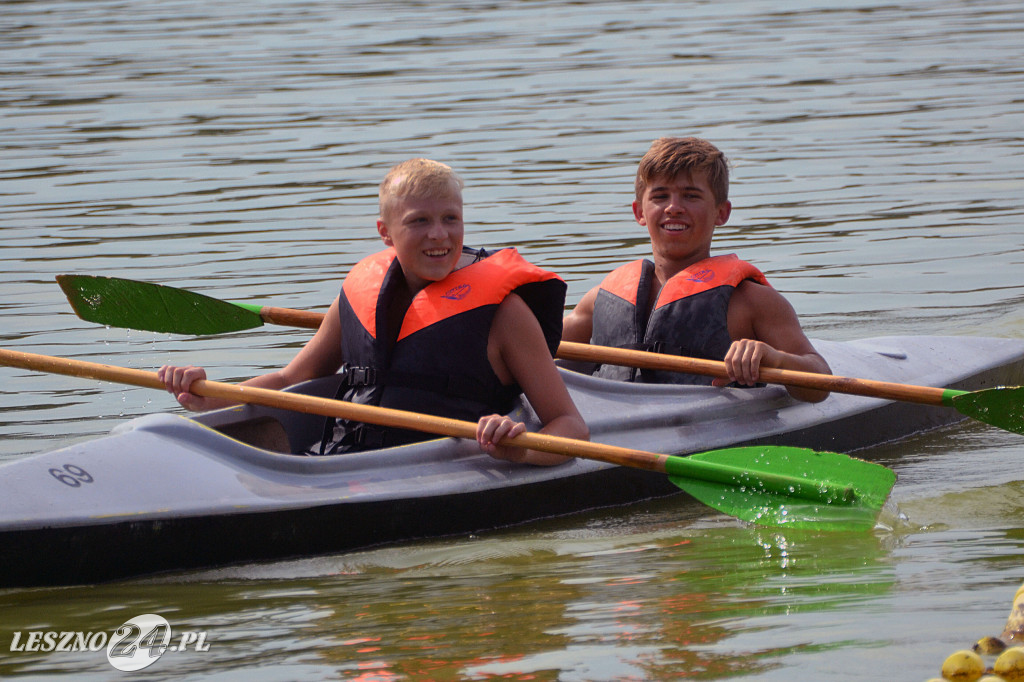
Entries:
{"x":638,"y":213}
{"x":724,"y":211}
{"x":382,"y":230}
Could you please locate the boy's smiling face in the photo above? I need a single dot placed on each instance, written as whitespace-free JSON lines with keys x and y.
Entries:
{"x":680,"y":214}
{"x":426,"y":233}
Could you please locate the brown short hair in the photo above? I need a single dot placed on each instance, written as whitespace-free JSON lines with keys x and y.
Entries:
{"x":419,"y":177}
{"x":670,"y":156}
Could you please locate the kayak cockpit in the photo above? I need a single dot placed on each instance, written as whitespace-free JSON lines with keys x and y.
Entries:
{"x":273,"y":429}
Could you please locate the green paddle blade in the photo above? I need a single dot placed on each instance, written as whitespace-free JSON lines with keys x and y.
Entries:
{"x":152,"y":307}
{"x":835,"y":492}
{"x":1002,"y":407}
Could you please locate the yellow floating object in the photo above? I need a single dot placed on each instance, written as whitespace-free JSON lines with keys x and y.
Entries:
{"x":989,"y":646}
{"x":1014,"y":630}
{"x":963,"y":666}
{"x":1010,"y":665}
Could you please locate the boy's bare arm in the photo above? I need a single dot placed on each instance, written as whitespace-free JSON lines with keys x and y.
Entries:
{"x":578,"y":325}
{"x":321,"y":356}
{"x":768,"y":334}
{"x":522,"y":356}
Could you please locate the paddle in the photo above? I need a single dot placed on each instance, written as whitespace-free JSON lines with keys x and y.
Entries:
{"x":153,"y":307}
{"x":766,"y":485}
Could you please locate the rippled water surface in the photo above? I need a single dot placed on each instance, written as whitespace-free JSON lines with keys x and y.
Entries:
{"x":234,"y":148}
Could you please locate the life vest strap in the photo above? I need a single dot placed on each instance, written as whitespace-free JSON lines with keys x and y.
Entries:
{"x":457,"y":385}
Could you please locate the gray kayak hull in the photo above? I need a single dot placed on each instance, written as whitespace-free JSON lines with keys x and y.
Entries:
{"x":165,"y":492}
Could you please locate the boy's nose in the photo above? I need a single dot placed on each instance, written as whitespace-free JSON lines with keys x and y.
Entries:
{"x":674,"y":206}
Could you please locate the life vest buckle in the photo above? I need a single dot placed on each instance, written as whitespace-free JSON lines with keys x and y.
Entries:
{"x":360,"y":376}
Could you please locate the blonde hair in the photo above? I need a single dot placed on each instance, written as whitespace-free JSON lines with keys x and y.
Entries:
{"x":416,"y":178}
{"x":670,"y":157}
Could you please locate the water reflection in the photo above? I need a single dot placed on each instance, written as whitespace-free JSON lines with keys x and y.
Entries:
{"x":646,"y":595}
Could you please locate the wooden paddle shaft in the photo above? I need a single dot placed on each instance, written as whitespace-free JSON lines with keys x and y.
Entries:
{"x":331,"y":408}
{"x":568,"y":350}
{"x":710,"y":471}
{"x":290,"y":317}
{"x":825,"y":382}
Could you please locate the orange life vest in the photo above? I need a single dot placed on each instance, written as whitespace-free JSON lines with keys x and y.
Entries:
{"x":436,"y":362}
{"x":689,"y":317}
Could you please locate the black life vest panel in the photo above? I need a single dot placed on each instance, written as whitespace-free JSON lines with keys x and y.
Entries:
{"x":436,"y":363}
{"x":689,"y":317}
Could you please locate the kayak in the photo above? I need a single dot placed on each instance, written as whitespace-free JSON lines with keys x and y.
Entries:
{"x":168,"y":492}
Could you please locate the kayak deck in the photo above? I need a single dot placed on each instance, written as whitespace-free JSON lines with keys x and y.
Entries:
{"x":166,"y":492}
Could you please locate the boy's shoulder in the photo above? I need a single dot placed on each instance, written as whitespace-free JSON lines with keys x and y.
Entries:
{"x":755,"y":304}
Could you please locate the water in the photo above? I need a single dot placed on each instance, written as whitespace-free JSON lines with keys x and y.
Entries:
{"x":234,"y":149}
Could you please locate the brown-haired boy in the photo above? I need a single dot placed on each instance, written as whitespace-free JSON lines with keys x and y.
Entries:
{"x":687,"y":302}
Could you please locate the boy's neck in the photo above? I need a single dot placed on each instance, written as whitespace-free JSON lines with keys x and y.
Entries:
{"x":665,"y":268}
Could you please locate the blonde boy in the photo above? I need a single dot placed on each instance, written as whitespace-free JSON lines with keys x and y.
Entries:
{"x":430,"y":326}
